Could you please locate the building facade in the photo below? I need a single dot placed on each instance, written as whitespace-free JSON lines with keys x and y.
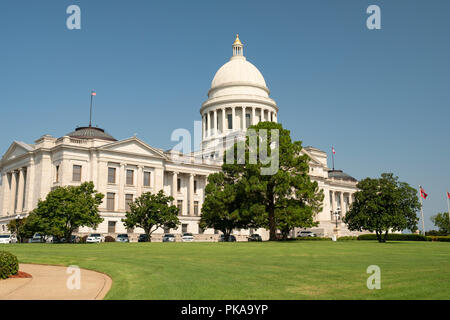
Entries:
{"x":123,"y":170}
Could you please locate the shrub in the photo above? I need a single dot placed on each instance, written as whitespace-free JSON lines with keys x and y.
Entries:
{"x":109,"y":239}
{"x":313,"y":238}
{"x":348,"y":238}
{"x":9,"y":265}
{"x":439,"y":238}
{"x":395,"y":237}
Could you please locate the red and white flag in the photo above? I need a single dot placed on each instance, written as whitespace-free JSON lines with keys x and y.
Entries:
{"x":423,"y":194}
{"x":93,"y":93}
{"x":448,"y":195}
{"x":332,"y":149}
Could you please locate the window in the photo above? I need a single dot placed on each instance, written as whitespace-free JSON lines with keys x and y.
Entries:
{"x":178,"y":184}
{"x":111,"y":175}
{"x":230,"y":121}
{"x":130,"y":177}
{"x":196,"y":208}
{"x":111,"y":227}
{"x":110,"y":201}
{"x":76,"y":175}
{"x":147,"y":176}
{"x":184,"y":227}
{"x":57,"y":174}
{"x":247,"y":120}
{"x":180,"y":207}
{"x":195,"y":186}
{"x":128,"y":200}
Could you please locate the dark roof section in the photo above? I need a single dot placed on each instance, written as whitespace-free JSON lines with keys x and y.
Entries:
{"x":340,"y":175}
{"x":90,"y":133}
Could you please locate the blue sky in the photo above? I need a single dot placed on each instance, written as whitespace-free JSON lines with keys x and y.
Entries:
{"x":381,"y":97}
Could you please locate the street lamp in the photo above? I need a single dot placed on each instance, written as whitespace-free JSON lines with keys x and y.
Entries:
{"x":337,"y":213}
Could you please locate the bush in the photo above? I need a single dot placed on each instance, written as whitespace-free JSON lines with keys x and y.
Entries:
{"x":9,"y":265}
{"x":313,"y":238}
{"x":347,"y":238}
{"x":395,"y":237}
{"x":439,"y":238}
{"x":109,"y":239}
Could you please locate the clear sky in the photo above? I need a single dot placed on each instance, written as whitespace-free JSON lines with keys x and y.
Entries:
{"x":381,"y":97}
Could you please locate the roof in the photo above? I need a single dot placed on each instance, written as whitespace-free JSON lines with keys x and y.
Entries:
{"x":91,"y":133}
{"x":340,"y":175}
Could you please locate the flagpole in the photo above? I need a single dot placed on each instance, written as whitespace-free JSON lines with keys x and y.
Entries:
{"x":332,"y":155}
{"x":421,"y":209}
{"x":90,"y":114}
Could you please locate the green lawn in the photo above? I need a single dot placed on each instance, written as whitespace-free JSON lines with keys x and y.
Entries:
{"x":268,"y":270}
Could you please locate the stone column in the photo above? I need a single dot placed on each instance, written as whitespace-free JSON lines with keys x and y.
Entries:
{"x":224,"y":127}
{"x":214,"y":132}
{"x":5,"y":194}
{"x":208,"y":127}
{"x":343,"y":210}
{"x":12,"y":203}
{"x":203,"y":127}
{"x":28,"y":202}
{"x":174,"y":187}
{"x":140,"y":179}
{"x":191,"y":194}
{"x":233,"y":118}
{"x":122,"y":182}
{"x":253,"y":116}
{"x":20,"y":190}
{"x":243,"y":119}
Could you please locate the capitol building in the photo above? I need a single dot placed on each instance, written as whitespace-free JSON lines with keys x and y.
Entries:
{"x":124,"y":169}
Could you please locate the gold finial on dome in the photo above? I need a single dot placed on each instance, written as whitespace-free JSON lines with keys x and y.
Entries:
{"x":237,"y":41}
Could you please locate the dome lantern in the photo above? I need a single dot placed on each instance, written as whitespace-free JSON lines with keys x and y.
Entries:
{"x":238,"y":47}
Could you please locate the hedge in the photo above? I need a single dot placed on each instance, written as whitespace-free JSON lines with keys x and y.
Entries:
{"x":348,"y":238}
{"x":313,"y":238}
{"x":395,"y":237}
{"x":439,"y":238}
{"x":9,"y":265}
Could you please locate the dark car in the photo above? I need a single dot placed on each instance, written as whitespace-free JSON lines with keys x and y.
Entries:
{"x":143,"y":238}
{"x":231,"y":238}
{"x":255,"y":237}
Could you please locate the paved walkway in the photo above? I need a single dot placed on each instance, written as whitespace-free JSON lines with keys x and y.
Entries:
{"x":50,"y":283}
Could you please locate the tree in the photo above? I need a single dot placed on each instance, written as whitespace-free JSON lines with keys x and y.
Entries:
{"x":441,"y":220}
{"x":150,"y":212}
{"x":276,"y":191}
{"x":66,"y":209}
{"x":383,"y":204}
{"x":222,"y":209}
{"x":17,"y":227}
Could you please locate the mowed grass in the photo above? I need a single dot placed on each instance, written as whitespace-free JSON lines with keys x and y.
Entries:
{"x":268,"y":270}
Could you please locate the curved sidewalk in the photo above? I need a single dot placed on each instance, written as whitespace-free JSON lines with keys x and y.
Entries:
{"x":50,"y":283}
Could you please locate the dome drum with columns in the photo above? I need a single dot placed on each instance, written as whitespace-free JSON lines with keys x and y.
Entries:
{"x":238,"y":98}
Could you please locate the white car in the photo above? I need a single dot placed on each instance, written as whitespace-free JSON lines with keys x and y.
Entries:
{"x":95,"y":238}
{"x":187,"y":237}
{"x":8,"y":238}
{"x":306,"y":234}
{"x":38,"y":238}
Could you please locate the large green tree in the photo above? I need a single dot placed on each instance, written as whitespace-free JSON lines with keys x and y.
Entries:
{"x":442,"y":221}
{"x":271,"y":180}
{"x":150,"y":212}
{"x":222,"y":208}
{"x":65,"y":209}
{"x":383,"y":204}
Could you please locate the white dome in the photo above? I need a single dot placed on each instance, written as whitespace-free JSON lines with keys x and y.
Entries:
{"x":238,"y":70}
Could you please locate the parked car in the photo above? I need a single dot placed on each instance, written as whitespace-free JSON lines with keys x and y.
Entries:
{"x":187,"y":237}
{"x":143,"y":238}
{"x":123,"y":237}
{"x":38,"y":238}
{"x":169,"y":237}
{"x":255,"y":237}
{"x":74,"y":239}
{"x":95,"y":238}
{"x":230,"y":239}
{"x":306,"y":234}
{"x":8,"y":238}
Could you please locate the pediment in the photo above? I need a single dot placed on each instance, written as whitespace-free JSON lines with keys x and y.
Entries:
{"x":311,"y":157}
{"x":133,"y":146}
{"x":16,"y":150}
